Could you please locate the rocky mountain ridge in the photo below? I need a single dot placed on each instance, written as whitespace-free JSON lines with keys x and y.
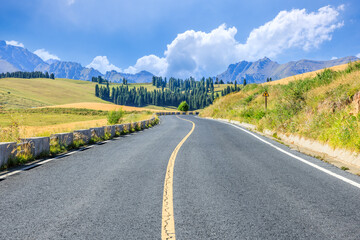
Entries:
{"x":260,"y":70}
{"x":13,"y":58}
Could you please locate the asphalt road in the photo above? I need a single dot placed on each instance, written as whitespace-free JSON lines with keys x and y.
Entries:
{"x":227,"y":184}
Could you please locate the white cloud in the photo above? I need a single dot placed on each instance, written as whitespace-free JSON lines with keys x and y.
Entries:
{"x":45,"y":55}
{"x":70,"y":2}
{"x":102,"y":64}
{"x":151,"y":63}
{"x":333,"y":58}
{"x":15,"y":43}
{"x":196,"y":53}
{"x":358,"y":55}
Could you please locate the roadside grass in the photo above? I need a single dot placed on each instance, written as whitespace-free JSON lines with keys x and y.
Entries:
{"x":22,"y":123}
{"x":318,"y":108}
{"x":24,"y":154}
{"x":312,"y":74}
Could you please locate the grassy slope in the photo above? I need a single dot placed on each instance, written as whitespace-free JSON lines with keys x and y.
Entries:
{"x":317,"y":107}
{"x":312,"y":74}
{"x":27,"y":93}
{"x":24,"y":93}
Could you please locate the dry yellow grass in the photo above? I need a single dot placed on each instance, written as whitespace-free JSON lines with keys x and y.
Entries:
{"x":306,"y":75}
{"x":31,"y":131}
{"x":105,"y":107}
{"x":47,"y":130}
{"x":99,"y":106}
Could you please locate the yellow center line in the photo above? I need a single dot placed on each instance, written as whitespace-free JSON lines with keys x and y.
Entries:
{"x":168,"y":223}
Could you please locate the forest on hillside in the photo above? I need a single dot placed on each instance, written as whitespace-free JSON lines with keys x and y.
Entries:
{"x":198,"y":94}
{"x":21,"y":74}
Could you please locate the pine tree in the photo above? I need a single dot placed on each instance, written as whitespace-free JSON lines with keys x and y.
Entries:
{"x":97,"y":90}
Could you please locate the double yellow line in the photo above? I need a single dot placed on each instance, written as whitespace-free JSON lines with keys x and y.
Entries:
{"x":168,"y":223}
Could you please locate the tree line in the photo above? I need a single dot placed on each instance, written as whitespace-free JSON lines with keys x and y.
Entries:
{"x":20,"y":74}
{"x":198,"y":94}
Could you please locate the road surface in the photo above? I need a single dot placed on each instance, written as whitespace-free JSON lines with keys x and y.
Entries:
{"x":224,"y":183}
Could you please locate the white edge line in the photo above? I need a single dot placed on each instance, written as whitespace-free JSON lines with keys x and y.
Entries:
{"x":355,"y":184}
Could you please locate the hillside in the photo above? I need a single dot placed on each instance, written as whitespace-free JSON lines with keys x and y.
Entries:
{"x":29,"y":93}
{"x":259,"y":71}
{"x":324,"y":107}
{"x":25,"y":93}
{"x":302,"y":76}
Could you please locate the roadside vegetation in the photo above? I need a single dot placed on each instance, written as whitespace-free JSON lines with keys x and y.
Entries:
{"x":24,"y":153}
{"x":324,"y":107}
{"x":41,"y":122}
{"x":183,"y":106}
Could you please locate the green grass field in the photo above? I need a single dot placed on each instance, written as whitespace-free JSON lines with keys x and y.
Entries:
{"x":27,"y":93}
{"x":38,"y":92}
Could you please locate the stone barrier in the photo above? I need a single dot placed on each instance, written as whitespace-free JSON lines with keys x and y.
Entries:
{"x":119,"y":128}
{"x":143,"y":124}
{"x":110,"y":130}
{"x":7,"y":150}
{"x":38,"y":145}
{"x":63,"y":139}
{"x":97,"y":132}
{"x":127,"y":126}
{"x":84,"y":135}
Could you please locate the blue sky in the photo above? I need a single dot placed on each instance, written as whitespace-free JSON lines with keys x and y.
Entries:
{"x":181,"y":38}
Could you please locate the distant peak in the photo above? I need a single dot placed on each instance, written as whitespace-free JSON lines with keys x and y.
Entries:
{"x":265,"y":59}
{"x":2,"y":43}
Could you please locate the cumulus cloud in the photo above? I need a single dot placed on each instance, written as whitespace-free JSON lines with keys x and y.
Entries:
{"x":196,"y":53}
{"x":334,"y":58}
{"x":358,"y":55}
{"x":45,"y":55}
{"x":102,"y":64}
{"x":15,"y":43}
{"x":151,"y":63}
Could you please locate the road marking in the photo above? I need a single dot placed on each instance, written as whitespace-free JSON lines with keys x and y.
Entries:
{"x":355,"y":184}
{"x":168,"y":223}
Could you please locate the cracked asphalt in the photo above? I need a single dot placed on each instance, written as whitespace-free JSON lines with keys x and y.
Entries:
{"x":227,"y":185}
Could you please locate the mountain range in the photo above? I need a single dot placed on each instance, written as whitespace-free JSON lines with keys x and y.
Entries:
{"x":13,"y":58}
{"x":260,"y":70}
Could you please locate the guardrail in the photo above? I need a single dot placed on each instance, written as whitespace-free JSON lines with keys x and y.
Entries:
{"x":40,"y":146}
{"x":177,"y":113}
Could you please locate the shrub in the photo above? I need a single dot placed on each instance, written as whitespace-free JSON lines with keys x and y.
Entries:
{"x":183,"y":106}
{"x":115,"y":117}
{"x":56,"y":148}
{"x":76,"y":144}
{"x":137,"y":127}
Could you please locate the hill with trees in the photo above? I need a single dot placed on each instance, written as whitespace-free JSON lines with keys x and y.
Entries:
{"x":198,"y":94}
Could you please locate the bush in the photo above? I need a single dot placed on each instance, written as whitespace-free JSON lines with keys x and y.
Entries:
{"x":183,"y":106}
{"x":115,"y":117}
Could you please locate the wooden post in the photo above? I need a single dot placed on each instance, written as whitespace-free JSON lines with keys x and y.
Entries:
{"x":265,"y":103}
{"x":266,"y":95}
